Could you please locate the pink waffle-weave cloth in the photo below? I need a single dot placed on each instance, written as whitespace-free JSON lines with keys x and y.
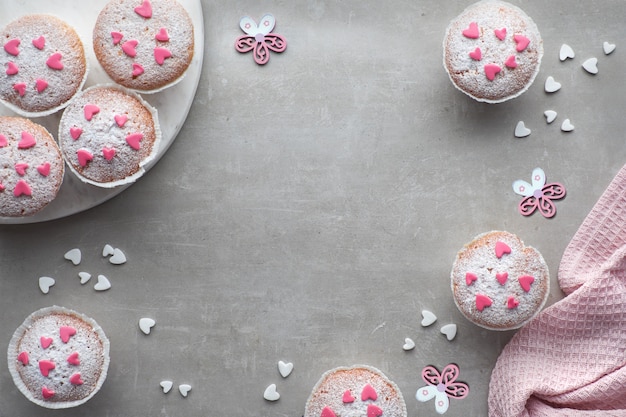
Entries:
{"x":570,"y":360}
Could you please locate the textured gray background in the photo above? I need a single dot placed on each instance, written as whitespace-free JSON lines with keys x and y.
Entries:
{"x":311,"y":208}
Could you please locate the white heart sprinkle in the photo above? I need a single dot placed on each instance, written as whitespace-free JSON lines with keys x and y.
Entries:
{"x":428,"y":318}
{"x":550,"y":115}
{"x":285,"y":368}
{"x":567,"y":126}
{"x":608,"y":47}
{"x":521,"y":131}
{"x":184,"y":389}
{"x":551,"y":85}
{"x":45,"y":283}
{"x":167,"y":386}
{"x":566,"y":52}
{"x":146,"y":324}
{"x":107,"y":250}
{"x":270,"y":393}
{"x":591,"y":65}
{"x":449,"y":330}
{"x":73,"y":255}
{"x":118,"y":257}
{"x":409,"y":344}
{"x":84,"y":277}
{"x":103,"y":283}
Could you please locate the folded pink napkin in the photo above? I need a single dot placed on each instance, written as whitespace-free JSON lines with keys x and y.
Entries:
{"x":571,"y":359}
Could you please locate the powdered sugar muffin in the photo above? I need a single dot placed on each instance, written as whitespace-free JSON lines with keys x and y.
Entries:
{"x":144,"y":45}
{"x":58,"y":358}
{"x":43,"y":64}
{"x":107,"y":135}
{"x":492,"y":51}
{"x":498,"y":283}
{"x":31,"y":167}
{"x":355,"y":391}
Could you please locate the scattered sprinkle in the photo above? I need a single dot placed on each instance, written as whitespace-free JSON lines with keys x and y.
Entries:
{"x":166,"y":385}
{"x":521,"y":131}
{"x":428,"y":318}
{"x":73,"y":255}
{"x":449,"y":330}
{"x":45,"y":283}
{"x":103,"y":283}
{"x":567,"y":126}
{"x":146,"y":324}
{"x":184,"y":389}
{"x":285,"y":369}
{"x":591,"y":65}
{"x":84,"y":277}
{"x":270,"y":393}
{"x":551,"y":85}
{"x":409,"y":344}
{"x":566,"y":52}
{"x":550,"y":115}
{"x":608,"y":48}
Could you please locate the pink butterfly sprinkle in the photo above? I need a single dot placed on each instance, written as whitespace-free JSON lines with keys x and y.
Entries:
{"x":442,"y":386}
{"x":259,"y":40}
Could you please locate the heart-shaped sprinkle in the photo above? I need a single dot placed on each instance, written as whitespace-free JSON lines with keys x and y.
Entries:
{"x":566,"y":52}
{"x":472,"y":31}
{"x":521,"y":131}
{"x":45,"y":366}
{"x":47,"y":393}
{"x":12,"y":69}
{"x":54,"y":61}
{"x":76,"y":379}
{"x":11,"y":47}
{"x":511,"y":302}
{"x":117,"y":37}
{"x":591,"y":65}
{"x":27,"y":141}
{"x":327,"y":412}
{"x":608,"y":48}
{"x":73,"y":255}
{"x":162,"y":35}
{"x":137,"y":69}
{"x":491,"y":70}
{"x":2,"y":187}
{"x":511,"y":62}
{"x":502,"y":249}
{"x":20,"y":88}
{"x":22,"y":188}
{"x":166,"y":386}
{"x":470,"y":277}
{"x":526,"y":281}
{"x":476,"y":54}
{"x":409,"y":344}
{"x":347,"y":397}
{"x":107,"y":250}
{"x":84,"y":277}
{"x":90,"y":110}
{"x":428,"y":318}
{"x":41,"y":85}
{"x":134,"y":140}
{"x":270,"y":393}
{"x":285,"y":369}
{"x":66,"y":332}
{"x":500,"y":33}
{"x":45,"y":342}
{"x":121,"y":119}
{"x":129,"y":48}
{"x":84,"y":157}
{"x":103,"y":283}
{"x":521,"y":41}
{"x":567,"y":126}
{"x":161,"y":54}
{"x":502,"y":277}
{"x":21,"y":168}
{"x":3,"y":141}
{"x":73,"y":359}
{"x":374,"y":411}
{"x":108,"y":153}
{"x":145,"y":10}
{"x":44,"y":169}
{"x":45,"y":283}
{"x":118,"y":257}
{"x":184,"y":389}
{"x":551,"y":85}
{"x":482,"y":302}
{"x":146,"y":324}
{"x":449,"y":330}
{"x":368,"y":393}
{"x":23,"y":358}
{"x":39,"y":43}
{"x":550,"y":115}
{"x":75,"y":132}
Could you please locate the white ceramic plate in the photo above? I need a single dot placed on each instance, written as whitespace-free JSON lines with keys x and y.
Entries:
{"x":173,"y":104}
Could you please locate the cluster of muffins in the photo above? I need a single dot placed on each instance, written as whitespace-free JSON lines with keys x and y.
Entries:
{"x":108,"y":133}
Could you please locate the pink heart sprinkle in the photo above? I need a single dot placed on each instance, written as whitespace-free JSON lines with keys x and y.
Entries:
{"x":161,"y":54}
{"x":39,"y":43}
{"x":129,"y":48}
{"x":66,"y":332}
{"x":327,"y":412}
{"x":45,"y":342}
{"x":84,"y":156}
{"x":472,"y":31}
{"x":76,"y":380}
{"x":482,"y":302}
{"x":22,"y":188}
{"x":11,"y":47}
{"x":133,"y":140}
{"x":502,"y":277}
{"x":108,"y":153}
{"x":73,"y":359}
{"x":491,"y":70}
{"x":3,"y":141}
{"x":54,"y":61}
{"x":41,"y":85}
{"x":75,"y":132}
{"x":12,"y":69}
{"x":2,"y":187}
{"x":27,"y":141}
{"x":20,"y":168}
{"x":120,"y":119}
{"x":521,"y":41}
{"x":20,"y":88}
{"x":137,"y":69}
{"x":23,"y":357}
{"x":470,"y":278}
{"x":374,"y":411}
{"x":347,"y":397}
{"x":44,"y":169}
{"x":45,"y":366}
{"x":511,"y":303}
{"x":145,"y":10}
{"x":90,"y":110}
{"x":510,"y":62}
{"x":500,"y":33}
{"x":162,"y":35}
{"x":368,"y":393}
{"x":476,"y":54}
{"x":526,"y":281}
{"x":117,"y":37}
{"x":47,"y":393}
{"x":501,"y":249}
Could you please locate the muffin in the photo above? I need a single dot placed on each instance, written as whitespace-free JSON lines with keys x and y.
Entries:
{"x":31,"y":167}
{"x":498,"y":283}
{"x":44,"y":65}
{"x":107,"y":135}
{"x":492,"y":51}
{"x":355,"y":391}
{"x":58,"y":358}
{"x":145,"y":46}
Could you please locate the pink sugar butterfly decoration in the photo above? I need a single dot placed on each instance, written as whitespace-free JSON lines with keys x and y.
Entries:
{"x":258,"y":38}
{"x":538,"y":195}
{"x":442,"y":386}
